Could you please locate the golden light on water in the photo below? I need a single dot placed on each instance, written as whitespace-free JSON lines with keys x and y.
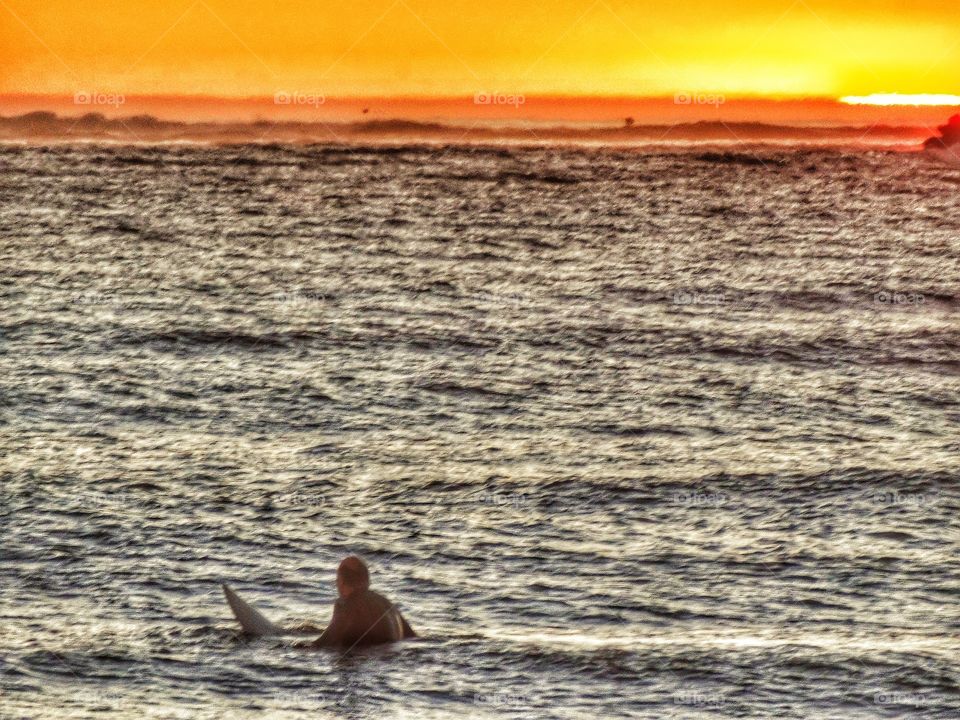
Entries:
{"x":898,"y":99}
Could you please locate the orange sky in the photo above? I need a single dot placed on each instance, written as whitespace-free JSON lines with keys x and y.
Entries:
{"x":783,"y":48}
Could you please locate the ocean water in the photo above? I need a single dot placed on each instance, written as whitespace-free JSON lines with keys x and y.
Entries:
{"x":625,"y":433}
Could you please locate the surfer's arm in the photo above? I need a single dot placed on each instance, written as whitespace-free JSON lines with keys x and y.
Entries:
{"x":325,"y":640}
{"x":329,"y":637}
{"x":407,"y":630}
{"x":333,"y":635}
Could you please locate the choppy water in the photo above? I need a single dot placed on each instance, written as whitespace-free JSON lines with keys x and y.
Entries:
{"x":625,"y":434}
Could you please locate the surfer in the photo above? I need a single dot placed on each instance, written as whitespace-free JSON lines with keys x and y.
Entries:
{"x":949,"y":136}
{"x":360,"y":615}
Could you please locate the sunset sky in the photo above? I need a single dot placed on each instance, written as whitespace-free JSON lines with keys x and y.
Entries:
{"x":238,"y":48}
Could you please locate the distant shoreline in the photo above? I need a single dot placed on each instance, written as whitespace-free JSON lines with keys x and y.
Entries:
{"x":48,"y":126}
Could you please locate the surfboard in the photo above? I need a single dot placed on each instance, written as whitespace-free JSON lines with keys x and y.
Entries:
{"x":250,"y":619}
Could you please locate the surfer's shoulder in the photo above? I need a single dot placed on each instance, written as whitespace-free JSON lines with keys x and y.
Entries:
{"x":364,"y":598}
{"x":377,"y":597}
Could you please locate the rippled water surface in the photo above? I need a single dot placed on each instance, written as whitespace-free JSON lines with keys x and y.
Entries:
{"x":624,"y":433}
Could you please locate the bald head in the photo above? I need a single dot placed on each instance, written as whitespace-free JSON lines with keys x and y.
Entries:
{"x":352,"y":576}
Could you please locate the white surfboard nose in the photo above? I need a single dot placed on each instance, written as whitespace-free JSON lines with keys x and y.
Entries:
{"x":250,"y":619}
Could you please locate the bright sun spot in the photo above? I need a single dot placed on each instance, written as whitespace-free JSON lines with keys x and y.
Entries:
{"x":898,"y":99}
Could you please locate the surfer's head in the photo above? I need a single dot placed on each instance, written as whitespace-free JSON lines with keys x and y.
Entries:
{"x":352,"y":575}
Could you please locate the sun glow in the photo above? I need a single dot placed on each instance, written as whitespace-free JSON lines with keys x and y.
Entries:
{"x":895,"y":99}
{"x":445,"y":48}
